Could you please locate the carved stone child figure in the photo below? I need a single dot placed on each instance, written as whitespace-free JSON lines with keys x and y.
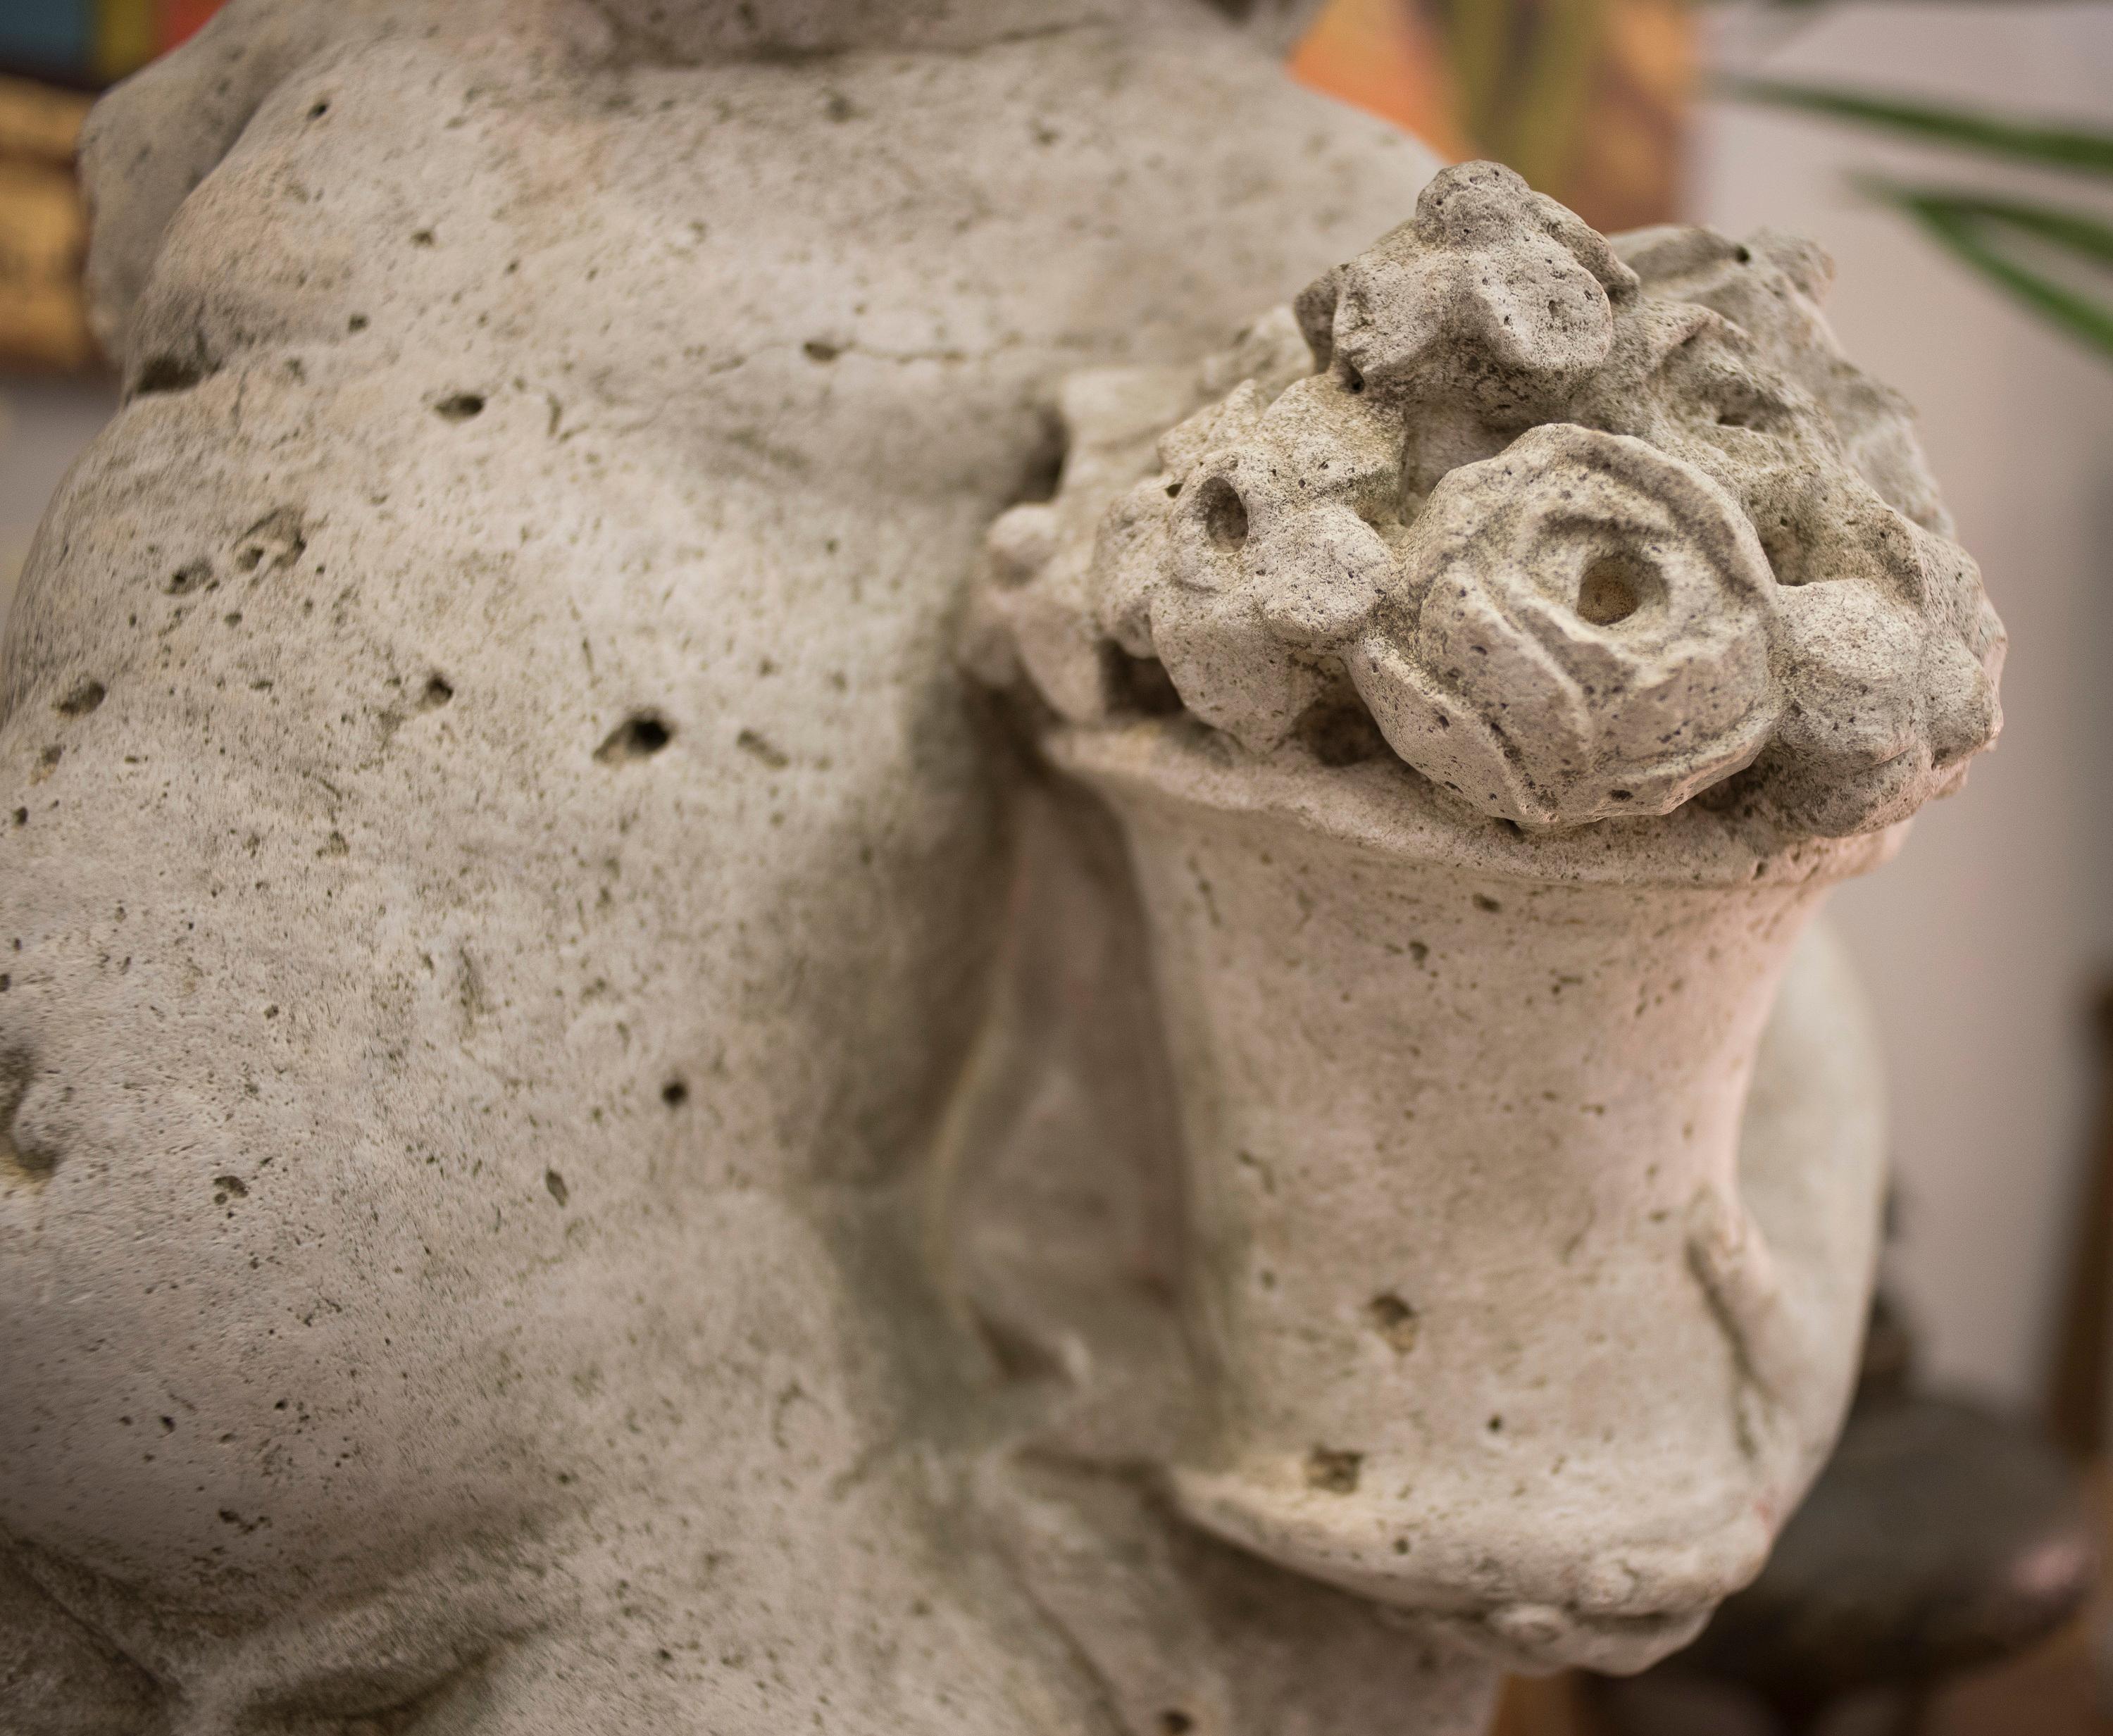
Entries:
{"x":596,"y":1138}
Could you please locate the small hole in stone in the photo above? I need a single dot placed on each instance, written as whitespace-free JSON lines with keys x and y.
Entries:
{"x":555,"y":1184}
{"x":1043,"y":472}
{"x":638,"y":737}
{"x":1138,"y":683}
{"x":1334,"y":1471}
{"x":460,"y":407}
{"x":1496,"y":1425}
{"x":674,"y":1094}
{"x":1225,"y":513}
{"x":422,"y":238}
{"x":80,"y":700}
{"x":816,"y":350}
{"x":1744,"y":255}
{"x":1483,"y":901}
{"x":1338,"y":730}
{"x":168,"y":373}
{"x":1016,"y":1354}
{"x":1352,"y":381}
{"x":1622,"y":795}
{"x":357,"y":322}
{"x":1609,"y":592}
{"x":186,"y":580}
{"x":1176,"y":1723}
{"x":437,"y":692}
{"x":319,"y":111}
{"x":36,"y":1162}
{"x":1394,"y":1321}
{"x":1174,"y":491}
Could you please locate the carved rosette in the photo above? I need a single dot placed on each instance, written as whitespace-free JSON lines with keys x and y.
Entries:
{"x":1580,"y":551}
{"x":1594,"y":625}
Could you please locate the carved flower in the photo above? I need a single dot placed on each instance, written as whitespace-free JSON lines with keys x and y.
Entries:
{"x":1891,"y":660}
{"x":1591,"y":625}
{"x":1492,"y":293}
{"x":1583,"y":543}
{"x":1267,"y":562}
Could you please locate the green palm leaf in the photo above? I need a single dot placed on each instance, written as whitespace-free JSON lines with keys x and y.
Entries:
{"x":2080,"y":149}
{"x":1982,"y":231}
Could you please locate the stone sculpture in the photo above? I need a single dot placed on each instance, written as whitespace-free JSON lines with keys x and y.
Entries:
{"x":595,"y":1138}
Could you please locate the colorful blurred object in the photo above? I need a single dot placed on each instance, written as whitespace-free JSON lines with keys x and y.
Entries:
{"x":94,"y":43}
{"x":1588,"y":99}
{"x":43,"y":231}
{"x":52,"y":54}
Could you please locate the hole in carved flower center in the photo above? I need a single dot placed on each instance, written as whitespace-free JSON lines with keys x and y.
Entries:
{"x":1609,"y":592}
{"x":1225,"y":513}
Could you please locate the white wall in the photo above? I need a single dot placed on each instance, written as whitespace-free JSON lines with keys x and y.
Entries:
{"x":1981,"y":945}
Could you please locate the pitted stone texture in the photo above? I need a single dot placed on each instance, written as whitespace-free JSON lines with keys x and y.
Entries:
{"x":1490,"y":687}
{"x":1573,"y":565}
{"x":487,"y":974}
{"x":587,"y":1147}
{"x":1582,"y":546}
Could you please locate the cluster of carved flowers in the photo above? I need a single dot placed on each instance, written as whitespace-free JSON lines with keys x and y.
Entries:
{"x":1581,"y":529}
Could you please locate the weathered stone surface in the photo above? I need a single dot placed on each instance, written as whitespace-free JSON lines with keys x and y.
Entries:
{"x":1581,"y":545}
{"x":1492,"y":664}
{"x":588,"y":1143}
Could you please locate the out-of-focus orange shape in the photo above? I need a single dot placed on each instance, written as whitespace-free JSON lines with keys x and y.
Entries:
{"x":1630,"y":165}
{"x":1623,"y":166}
{"x":1379,"y":55}
{"x":179,"y":20}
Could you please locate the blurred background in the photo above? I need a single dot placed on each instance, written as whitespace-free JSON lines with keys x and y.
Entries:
{"x":1956,"y":158}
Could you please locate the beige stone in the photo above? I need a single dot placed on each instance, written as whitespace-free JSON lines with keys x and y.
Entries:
{"x":1580,"y":546}
{"x":594,"y":1140}
{"x":1489,"y":687}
